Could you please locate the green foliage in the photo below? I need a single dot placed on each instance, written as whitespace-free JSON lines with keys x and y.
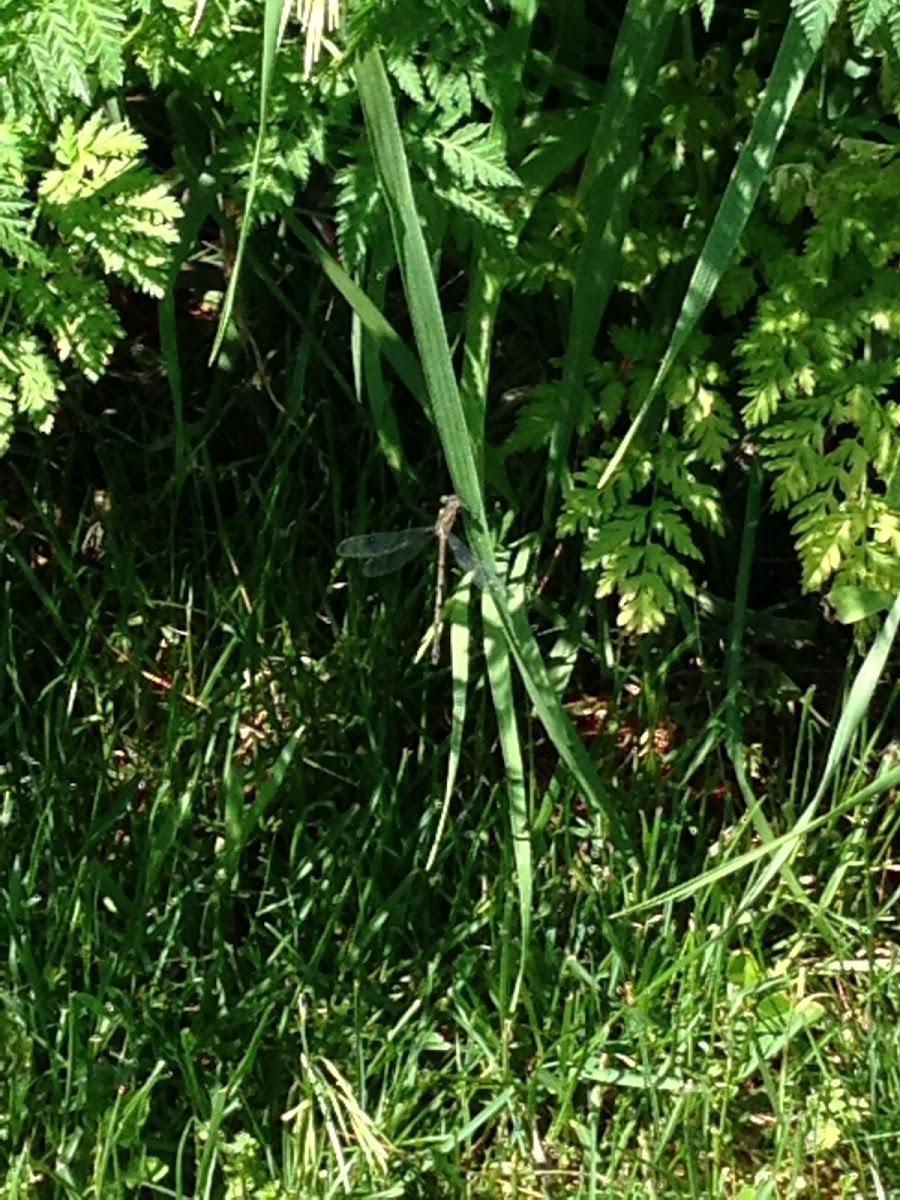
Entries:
{"x":819,"y":368}
{"x":638,"y":532}
{"x":77,"y":208}
{"x":871,"y":18}
{"x":340,"y":989}
{"x":331,"y":1014}
{"x":101,"y":202}
{"x":97,"y":213}
{"x":811,"y":308}
{"x":245,"y":1173}
{"x":461,"y":177}
{"x":816,"y":17}
{"x":57,"y":53}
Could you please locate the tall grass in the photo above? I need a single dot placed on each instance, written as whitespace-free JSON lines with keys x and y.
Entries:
{"x":248,"y":937}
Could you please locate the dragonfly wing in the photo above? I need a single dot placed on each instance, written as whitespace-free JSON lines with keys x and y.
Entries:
{"x":464,"y":556}
{"x":367,"y":544}
{"x":393,"y":560}
{"x":385,"y":551}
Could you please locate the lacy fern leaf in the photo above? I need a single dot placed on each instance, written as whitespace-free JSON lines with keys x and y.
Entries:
{"x":99,"y":212}
{"x":101,"y":27}
{"x":820,"y":366}
{"x":29,"y":385}
{"x":103,"y":203}
{"x":474,"y":157}
{"x":640,"y":530}
{"x":16,"y":208}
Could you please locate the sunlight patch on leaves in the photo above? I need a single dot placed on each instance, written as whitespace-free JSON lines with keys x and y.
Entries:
{"x":29,"y":386}
{"x":103,"y":202}
{"x":816,"y":17}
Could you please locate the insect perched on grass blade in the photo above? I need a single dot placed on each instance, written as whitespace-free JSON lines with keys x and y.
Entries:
{"x":387,"y":552}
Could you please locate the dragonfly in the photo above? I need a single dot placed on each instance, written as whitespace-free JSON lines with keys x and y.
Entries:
{"x":388,"y":552}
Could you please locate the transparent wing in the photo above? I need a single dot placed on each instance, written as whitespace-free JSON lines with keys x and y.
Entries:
{"x":386,"y":552}
{"x":466,"y":559}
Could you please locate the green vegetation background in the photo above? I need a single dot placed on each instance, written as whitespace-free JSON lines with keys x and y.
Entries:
{"x":605,"y":907}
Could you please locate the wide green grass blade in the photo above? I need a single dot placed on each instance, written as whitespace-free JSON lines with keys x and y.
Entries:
{"x":449,"y":416}
{"x":792,"y":65}
{"x":418,"y":282}
{"x":501,"y":682}
{"x":457,"y":617}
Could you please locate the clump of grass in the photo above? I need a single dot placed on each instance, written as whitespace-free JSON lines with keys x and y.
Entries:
{"x":231,"y":969}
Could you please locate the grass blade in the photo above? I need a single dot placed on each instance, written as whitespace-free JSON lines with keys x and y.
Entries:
{"x":457,"y":617}
{"x":450,"y":419}
{"x":376,"y":325}
{"x":792,"y":64}
{"x":734,"y":739}
{"x":419,"y":283}
{"x":520,"y":825}
{"x":780,"y":850}
{"x":271,"y":23}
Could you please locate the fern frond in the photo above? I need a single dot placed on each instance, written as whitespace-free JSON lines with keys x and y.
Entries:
{"x":75,"y":311}
{"x":101,"y":26}
{"x":29,"y":386}
{"x":450,"y":90}
{"x":15,"y":220}
{"x":16,"y":209}
{"x":474,"y":156}
{"x":816,"y":17}
{"x":36,"y":82}
{"x":866,"y":16}
{"x":408,"y":78}
{"x":56,"y":33}
{"x":735,"y":289}
{"x":103,"y":203}
{"x":361,"y":214}
{"x":893,"y":24}
{"x":476,"y":206}
{"x":707,"y":8}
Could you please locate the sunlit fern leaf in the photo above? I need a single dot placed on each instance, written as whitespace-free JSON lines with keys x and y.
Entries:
{"x":477,"y":207}
{"x":408,"y":78}
{"x":101,"y":25}
{"x":707,"y":8}
{"x":29,"y":385}
{"x":893,"y":24}
{"x":867,"y":15}
{"x":816,"y":17}
{"x":15,"y":206}
{"x":65,"y":53}
{"x":474,"y":156}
